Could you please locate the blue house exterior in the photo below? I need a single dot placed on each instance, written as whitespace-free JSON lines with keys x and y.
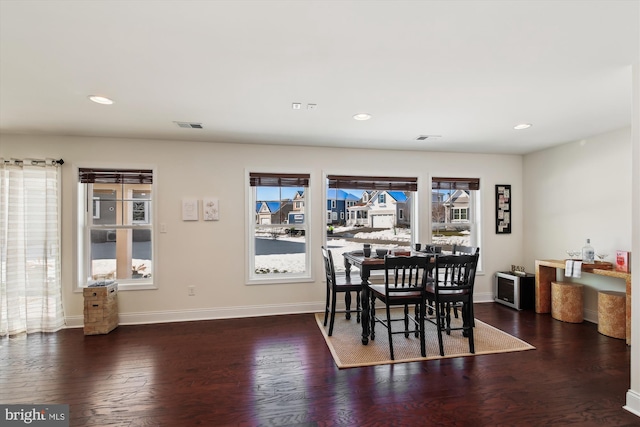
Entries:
{"x":337,"y":203}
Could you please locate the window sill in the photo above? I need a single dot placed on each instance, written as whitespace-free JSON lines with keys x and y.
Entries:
{"x":279,"y":280}
{"x":124,"y":287}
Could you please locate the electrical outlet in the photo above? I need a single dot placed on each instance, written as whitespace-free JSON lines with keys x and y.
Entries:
{"x":192,"y":291}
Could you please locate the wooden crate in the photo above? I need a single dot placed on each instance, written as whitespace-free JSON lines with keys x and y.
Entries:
{"x":100,"y":309}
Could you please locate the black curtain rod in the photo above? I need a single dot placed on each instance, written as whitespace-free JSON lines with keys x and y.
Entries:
{"x":34,"y":162}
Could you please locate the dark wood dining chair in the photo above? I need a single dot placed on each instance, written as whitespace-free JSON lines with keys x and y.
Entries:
{"x":464,"y":250}
{"x":405,"y":279}
{"x":453,"y":283}
{"x":335,"y":286}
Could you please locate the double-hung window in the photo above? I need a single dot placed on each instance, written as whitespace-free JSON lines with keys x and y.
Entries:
{"x":455,"y":212}
{"x":115,"y":227}
{"x":379,"y":210}
{"x":278,"y":228}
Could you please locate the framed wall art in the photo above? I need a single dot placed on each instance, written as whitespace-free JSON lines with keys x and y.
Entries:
{"x":503,"y":209}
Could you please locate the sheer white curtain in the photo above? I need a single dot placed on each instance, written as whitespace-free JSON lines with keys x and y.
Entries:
{"x":30,"y":288}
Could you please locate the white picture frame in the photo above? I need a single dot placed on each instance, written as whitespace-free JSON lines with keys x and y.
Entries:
{"x":189,"y":209}
{"x":210,"y":209}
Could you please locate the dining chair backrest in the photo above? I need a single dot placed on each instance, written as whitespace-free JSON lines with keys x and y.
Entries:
{"x":329,"y":269}
{"x":405,"y":273}
{"x":456,"y":273}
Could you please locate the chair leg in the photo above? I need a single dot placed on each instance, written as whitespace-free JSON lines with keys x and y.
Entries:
{"x":326,"y":307}
{"x":440,"y":326}
{"x":372,"y":318}
{"x":446,"y":317}
{"x":333,"y":312}
{"x":389,"y":330}
{"x":358,"y":306}
{"x":467,"y":324}
{"x":347,"y":303}
{"x":406,"y":321}
{"x":420,"y":316}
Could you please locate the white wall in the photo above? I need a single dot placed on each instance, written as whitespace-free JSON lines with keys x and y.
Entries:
{"x":211,"y":255}
{"x":586,"y":189}
{"x":633,"y":395}
{"x":577,"y":191}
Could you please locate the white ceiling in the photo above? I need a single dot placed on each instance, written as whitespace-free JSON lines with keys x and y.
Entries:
{"x":466,"y":70}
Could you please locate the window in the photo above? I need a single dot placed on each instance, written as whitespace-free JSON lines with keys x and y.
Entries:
{"x":455,"y":212}
{"x":277,"y":232}
{"x":379,"y":210}
{"x":115,"y":238}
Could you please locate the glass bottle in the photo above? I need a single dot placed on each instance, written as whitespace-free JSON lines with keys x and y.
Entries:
{"x":588,"y":253}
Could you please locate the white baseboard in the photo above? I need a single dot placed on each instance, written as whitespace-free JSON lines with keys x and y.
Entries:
{"x":149,"y":317}
{"x":633,"y":402}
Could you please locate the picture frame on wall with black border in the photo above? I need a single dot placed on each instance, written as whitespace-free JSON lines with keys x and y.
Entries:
{"x":503,"y":209}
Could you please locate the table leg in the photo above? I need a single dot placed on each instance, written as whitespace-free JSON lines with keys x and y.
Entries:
{"x":364,"y":300}
{"x":347,"y":268}
{"x":544,"y":276}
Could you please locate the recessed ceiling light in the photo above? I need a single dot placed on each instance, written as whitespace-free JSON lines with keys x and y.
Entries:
{"x":101,"y":99}
{"x":522,"y":126}
{"x":362,"y":116}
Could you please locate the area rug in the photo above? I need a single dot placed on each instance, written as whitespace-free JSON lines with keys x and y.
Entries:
{"x":348,"y":352}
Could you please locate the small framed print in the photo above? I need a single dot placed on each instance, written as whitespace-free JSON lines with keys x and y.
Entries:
{"x":189,"y":209}
{"x":503,"y":209}
{"x":210,"y":209}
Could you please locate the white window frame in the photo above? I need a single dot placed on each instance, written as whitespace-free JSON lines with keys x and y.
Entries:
{"x":96,"y":208}
{"x":83,"y":240}
{"x":474,"y":216}
{"x":364,"y":215}
{"x":251,"y":277}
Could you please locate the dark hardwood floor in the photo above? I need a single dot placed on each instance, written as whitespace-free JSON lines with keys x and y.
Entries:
{"x":277,"y":371}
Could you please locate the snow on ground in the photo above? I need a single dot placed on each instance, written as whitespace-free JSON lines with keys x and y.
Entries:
{"x":294,"y":263}
{"x":106,"y":268}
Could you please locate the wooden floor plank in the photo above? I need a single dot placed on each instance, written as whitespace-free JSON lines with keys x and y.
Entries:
{"x":278,"y":371}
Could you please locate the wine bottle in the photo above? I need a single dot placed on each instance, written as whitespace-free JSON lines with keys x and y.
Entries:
{"x":588,"y":253}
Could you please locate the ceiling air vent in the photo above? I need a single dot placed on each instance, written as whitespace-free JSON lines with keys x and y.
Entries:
{"x":189,"y":125}
{"x":425,"y":137}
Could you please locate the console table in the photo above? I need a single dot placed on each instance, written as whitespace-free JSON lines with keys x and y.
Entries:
{"x":546,"y":273}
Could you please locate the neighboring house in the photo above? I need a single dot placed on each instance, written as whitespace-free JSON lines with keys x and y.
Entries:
{"x":296,"y":216}
{"x":456,"y":207}
{"x":298,"y":202}
{"x":273,"y":212}
{"x":338,"y":201}
{"x":381,"y":209}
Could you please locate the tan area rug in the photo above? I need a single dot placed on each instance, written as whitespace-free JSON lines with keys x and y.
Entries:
{"x":348,"y":352}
